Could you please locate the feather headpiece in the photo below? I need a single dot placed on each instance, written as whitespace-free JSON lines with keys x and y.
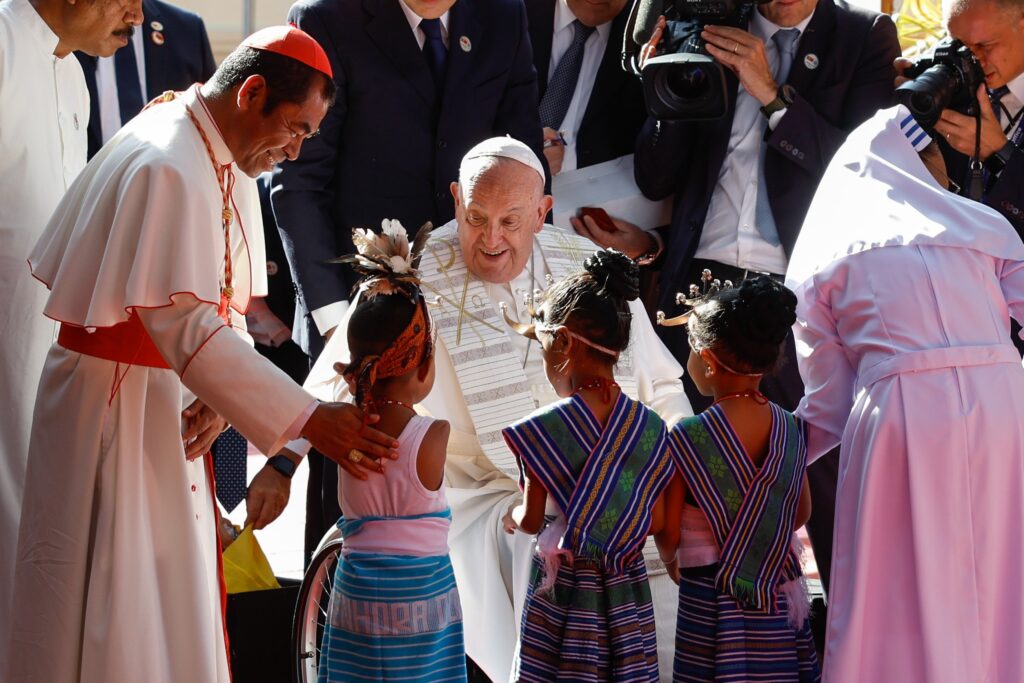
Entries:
{"x":387,"y":261}
{"x":698,"y":294}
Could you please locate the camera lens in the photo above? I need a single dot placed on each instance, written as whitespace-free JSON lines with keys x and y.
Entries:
{"x":931,"y":92}
{"x":686,"y":83}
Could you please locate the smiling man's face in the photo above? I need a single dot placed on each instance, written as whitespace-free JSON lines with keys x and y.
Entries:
{"x":499,"y":208}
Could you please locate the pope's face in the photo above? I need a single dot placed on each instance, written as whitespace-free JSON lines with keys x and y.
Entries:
{"x":429,"y":9}
{"x":101,"y":27}
{"x":268,"y":138}
{"x":787,"y":13}
{"x":499,"y":211}
{"x":995,"y":34}
{"x":596,"y":12}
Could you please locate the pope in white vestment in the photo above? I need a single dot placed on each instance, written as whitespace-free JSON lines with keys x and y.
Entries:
{"x":488,"y":377}
{"x":117,"y":564}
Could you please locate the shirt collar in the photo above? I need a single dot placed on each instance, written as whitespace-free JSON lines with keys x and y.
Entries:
{"x":1016,"y":87}
{"x":415,"y":19}
{"x":564,"y":18}
{"x":765,"y":29}
{"x":191,"y":99}
{"x":35,"y":26}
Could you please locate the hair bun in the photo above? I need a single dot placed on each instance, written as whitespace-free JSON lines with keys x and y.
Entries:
{"x":769,"y":309}
{"x":615,"y":272}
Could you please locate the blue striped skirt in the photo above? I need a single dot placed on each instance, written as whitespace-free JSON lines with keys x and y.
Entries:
{"x":393,"y":618}
{"x":591,"y":627}
{"x":717,"y":640}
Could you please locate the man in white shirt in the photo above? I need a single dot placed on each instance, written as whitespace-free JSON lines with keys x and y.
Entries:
{"x":801,"y":76}
{"x":170,"y":51}
{"x":590,"y":107}
{"x":44,"y":111}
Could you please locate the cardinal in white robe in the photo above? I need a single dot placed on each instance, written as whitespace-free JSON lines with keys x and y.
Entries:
{"x":498,"y":250}
{"x":44,"y":113}
{"x":906,"y":291}
{"x":151,"y":259}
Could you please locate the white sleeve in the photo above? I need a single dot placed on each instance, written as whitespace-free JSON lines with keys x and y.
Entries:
{"x":826,"y":371}
{"x":328,"y":317}
{"x":225,"y":372}
{"x":658,"y":373}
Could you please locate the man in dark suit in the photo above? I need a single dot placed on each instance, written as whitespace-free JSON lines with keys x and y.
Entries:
{"x":419,"y":83}
{"x":801,"y":77}
{"x":170,"y":51}
{"x":603,"y":105}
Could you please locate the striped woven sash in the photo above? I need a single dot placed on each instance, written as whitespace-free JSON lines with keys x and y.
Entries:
{"x":750,"y":510}
{"x":604,"y":480}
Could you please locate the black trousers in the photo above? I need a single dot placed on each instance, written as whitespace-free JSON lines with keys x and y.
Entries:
{"x":784,"y":388}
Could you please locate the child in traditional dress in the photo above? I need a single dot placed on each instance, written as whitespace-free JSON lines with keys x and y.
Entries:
{"x":741,"y":494}
{"x":592,"y":468}
{"x":394,"y":612}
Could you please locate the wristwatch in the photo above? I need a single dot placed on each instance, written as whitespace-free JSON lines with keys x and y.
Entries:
{"x":1000,"y":158}
{"x":783,"y":98}
{"x":283,"y":464}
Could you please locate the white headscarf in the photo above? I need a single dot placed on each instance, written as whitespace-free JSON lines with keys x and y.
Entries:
{"x":878,"y":193}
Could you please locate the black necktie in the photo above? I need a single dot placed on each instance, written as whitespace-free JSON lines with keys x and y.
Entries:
{"x":229,"y":463}
{"x":129,"y":90}
{"x":558,"y":96}
{"x":434,"y":50}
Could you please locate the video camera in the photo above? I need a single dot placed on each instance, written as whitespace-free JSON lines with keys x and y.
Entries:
{"x":948,"y":78}
{"x":684,"y":82}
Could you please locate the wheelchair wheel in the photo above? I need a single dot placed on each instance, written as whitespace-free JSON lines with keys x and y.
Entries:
{"x":311,"y":611}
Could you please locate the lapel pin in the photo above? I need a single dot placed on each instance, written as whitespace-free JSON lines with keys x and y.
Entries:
{"x":156,"y":26}
{"x":811,"y":61}
{"x":272,"y":268}
{"x":158,"y":38}
{"x":465,"y":44}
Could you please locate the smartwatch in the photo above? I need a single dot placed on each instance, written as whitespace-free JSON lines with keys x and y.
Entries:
{"x":783,"y":98}
{"x":283,"y":464}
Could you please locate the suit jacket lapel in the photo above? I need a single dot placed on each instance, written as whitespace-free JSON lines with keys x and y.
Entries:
{"x":609,"y":69}
{"x":94,"y":131}
{"x":156,"y":55}
{"x":540,"y":15}
{"x":463,"y":26}
{"x":815,"y":41}
{"x":389,"y":29}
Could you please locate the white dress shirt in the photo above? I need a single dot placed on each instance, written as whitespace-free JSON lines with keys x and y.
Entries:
{"x":414,"y":23}
{"x":106,"y":87}
{"x":593,"y":52}
{"x":1013,"y":101}
{"x":730,"y":234}
{"x":327,"y":317}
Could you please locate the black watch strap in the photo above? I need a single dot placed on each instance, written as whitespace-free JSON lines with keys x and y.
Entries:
{"x":282,"y":464}
{"x":1000,"y":158}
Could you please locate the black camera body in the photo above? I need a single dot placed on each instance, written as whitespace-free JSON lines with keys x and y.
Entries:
{"x":685,"y":82}
{"x":947,"y":79}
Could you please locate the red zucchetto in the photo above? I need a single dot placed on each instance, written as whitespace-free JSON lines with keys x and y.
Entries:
{"x":291,"y":42}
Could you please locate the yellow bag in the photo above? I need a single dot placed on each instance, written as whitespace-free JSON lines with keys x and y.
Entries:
{"x":246,"y":567}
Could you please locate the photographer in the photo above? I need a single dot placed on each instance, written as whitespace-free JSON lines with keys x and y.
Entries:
{"x":773,"y":146}
{"x":994,"y":32}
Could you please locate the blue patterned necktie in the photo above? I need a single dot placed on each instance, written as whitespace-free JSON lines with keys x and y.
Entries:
{"x":785,"y":44}
{"x":435,"y":51}
{"x":129,"y":90}
{"x":996,"y":96}
{"x":229,"y":461}
{"x":562,"y":86}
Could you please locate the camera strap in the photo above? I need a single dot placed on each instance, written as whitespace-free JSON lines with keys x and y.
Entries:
{"x":976,"y":178}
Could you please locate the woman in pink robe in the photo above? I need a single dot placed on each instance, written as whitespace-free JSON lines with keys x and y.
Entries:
{"x":903,"y":337}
